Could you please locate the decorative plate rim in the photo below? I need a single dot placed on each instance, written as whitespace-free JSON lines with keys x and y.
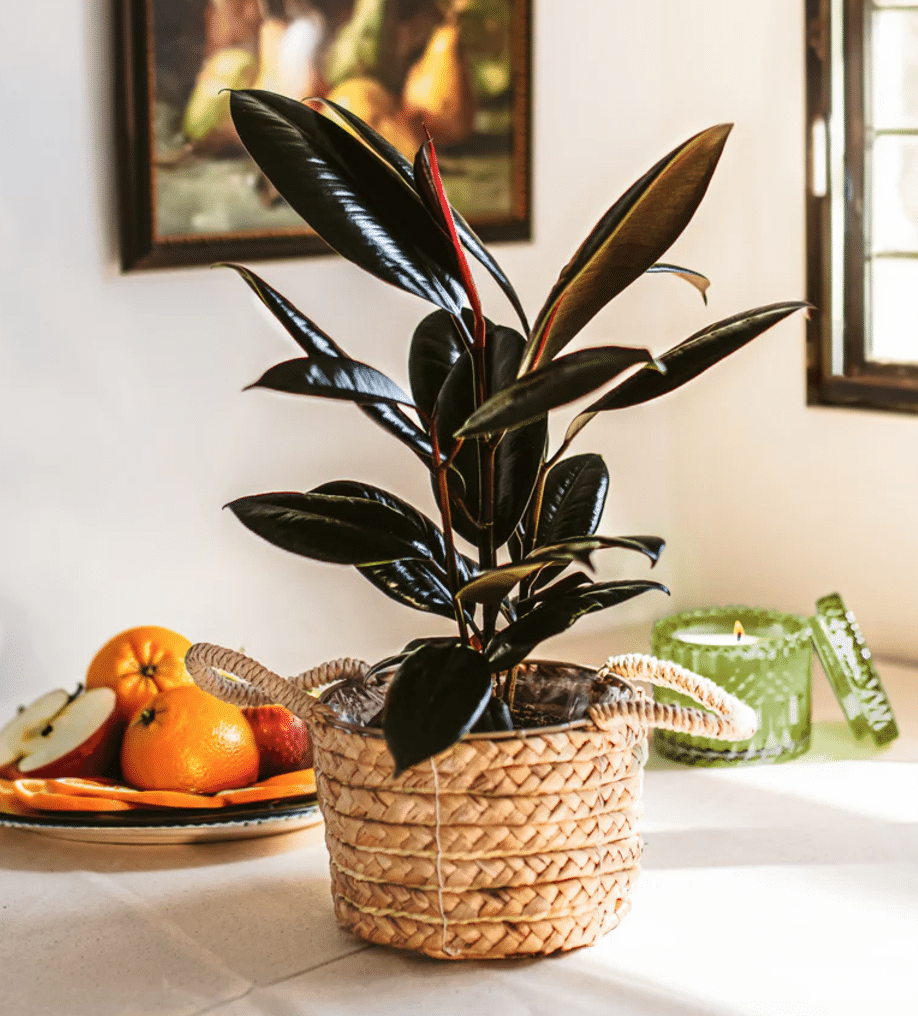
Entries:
{"x":176,"y":819}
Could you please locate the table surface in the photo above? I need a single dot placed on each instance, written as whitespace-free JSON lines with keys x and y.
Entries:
{"x":783,"y":889}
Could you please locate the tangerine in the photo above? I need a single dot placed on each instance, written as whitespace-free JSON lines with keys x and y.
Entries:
{"x":187,"y":739}
{"x":139,"y":663}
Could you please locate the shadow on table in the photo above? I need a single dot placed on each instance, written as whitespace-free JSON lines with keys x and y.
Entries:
{"x":577,"y":983}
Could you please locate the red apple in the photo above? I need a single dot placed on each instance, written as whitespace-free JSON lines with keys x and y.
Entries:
{"x":62,"y":735}
{"x":282,"y":738}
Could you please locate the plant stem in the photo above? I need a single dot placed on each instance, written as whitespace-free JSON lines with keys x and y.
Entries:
{"x":487,"y":553}
{"x":452,"y":575}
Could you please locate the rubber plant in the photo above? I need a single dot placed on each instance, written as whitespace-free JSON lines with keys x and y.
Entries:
{"x":476,"y":416}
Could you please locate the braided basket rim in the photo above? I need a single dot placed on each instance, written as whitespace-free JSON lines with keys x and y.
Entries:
{"x":333,"y":720}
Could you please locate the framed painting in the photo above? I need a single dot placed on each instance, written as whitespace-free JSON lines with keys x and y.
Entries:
{"x":190,"y":194}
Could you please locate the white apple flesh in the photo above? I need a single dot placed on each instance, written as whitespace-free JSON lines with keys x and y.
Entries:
{"x":28,"y":723}
{"x":80,"y":739}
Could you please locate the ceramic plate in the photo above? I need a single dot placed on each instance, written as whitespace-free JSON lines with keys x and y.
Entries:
{"x":177,"y":825}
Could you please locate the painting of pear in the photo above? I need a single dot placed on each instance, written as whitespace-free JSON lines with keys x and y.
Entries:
{"x":287,"y":57}
{"x":207,"y":115}
{"x":366,"y":98}
{"x":438,"y":92}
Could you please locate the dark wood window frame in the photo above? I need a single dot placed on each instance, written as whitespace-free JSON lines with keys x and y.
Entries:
{"x":838,"y":369}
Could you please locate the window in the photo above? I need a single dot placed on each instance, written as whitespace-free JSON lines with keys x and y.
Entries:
{"x":862,"y":204}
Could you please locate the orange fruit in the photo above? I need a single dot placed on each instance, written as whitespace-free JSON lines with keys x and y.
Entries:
{"x":138,"y":664}
{"x":186,"y":739}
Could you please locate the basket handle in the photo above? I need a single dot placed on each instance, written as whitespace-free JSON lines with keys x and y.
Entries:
{"x":252,"y":684}
{"x":729,"y":719}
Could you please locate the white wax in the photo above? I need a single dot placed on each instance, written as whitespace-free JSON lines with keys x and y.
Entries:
{"x":716,"y":638}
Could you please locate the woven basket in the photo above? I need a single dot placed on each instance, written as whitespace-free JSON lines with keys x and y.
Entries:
{"x":510,"y":844}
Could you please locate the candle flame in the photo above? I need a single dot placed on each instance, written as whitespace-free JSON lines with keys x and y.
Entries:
{"x":738,"y":631}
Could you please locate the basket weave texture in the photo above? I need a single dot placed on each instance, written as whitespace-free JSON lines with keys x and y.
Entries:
{"x":512,"y":844}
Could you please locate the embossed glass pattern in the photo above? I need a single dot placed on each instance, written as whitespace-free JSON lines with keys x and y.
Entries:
{"x":772,"y":675}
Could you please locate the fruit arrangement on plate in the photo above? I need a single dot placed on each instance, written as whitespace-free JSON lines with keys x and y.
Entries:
{"x":142,"y":735}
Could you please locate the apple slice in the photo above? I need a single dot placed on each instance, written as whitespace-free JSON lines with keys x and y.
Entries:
{"x":27,"y":724}
{"x":81,"y":739}
{"x":282,"y":739}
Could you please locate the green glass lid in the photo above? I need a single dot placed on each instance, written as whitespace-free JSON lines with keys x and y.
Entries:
{"x":849,"y":666}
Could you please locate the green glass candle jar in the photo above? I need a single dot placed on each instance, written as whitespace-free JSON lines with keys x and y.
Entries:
{"x":769,"y":667}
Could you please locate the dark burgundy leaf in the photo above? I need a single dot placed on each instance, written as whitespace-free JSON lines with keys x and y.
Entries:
{"x":626,"y":242}
{"x":519,"y":454}
{"x":560,"y":588}
{"x":514,"y":643}
{"x":351,"y":198}
{"x":340,"y":530}
{"x":695,"y":279}
{"x":574,"y":498}
{"x":496,"y":717}
{"x":435,"y":697}
{"x":332,"y":377}
{"x":572,"y":505}
{"x":421,"y":585}
{"x":312,"y":340}
{"x":307,"y":335}
{"x":694,"y":356}
{"x":391,"y":155}
{"x":435,"y":347}
{"x":562,"y":381}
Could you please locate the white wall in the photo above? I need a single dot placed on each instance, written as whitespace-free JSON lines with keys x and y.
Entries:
{"x":123,"y":430}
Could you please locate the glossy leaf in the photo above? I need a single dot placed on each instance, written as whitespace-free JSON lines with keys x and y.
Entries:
{"x":352,"y":199}
{"x":435,"y":697}
{"x":426,"y":532}
{"x":572,"y":504}
{"x":421,"y":585}
{"x":626,"y":242}
{"x":470,"y":240}
{"x":574,"y":498}
{"x":495,"y":717}
{"x":307,"y":335}
{"x":443,"y":641}
{"x":694,"y":356}
{"x":610,"y":594}
{"x":580,"y":548}
{"x":492,"y":586}
{"x":435,"y":347}
{"x":519,"y":454}
{"x":340,"y":530}
{"x":563,"y":380}
{"x":695,"y":279}
{"x":312,"y":340}
{"x":332,"y":377}
{"x":429,"y":187}
{"x":514,"y":643}
{"x":562,"y":587}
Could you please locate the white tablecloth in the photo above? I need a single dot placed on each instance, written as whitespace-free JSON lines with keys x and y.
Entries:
{"x":788,"y":889}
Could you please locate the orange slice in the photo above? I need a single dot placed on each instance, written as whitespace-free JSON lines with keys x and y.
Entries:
{"x":140,"y":798}
{"x":36,"y":794}
{"x":9,"y":802}
{"x":246,"y":795}
{"x":272,"y":789}
{"x":300,"y":776}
